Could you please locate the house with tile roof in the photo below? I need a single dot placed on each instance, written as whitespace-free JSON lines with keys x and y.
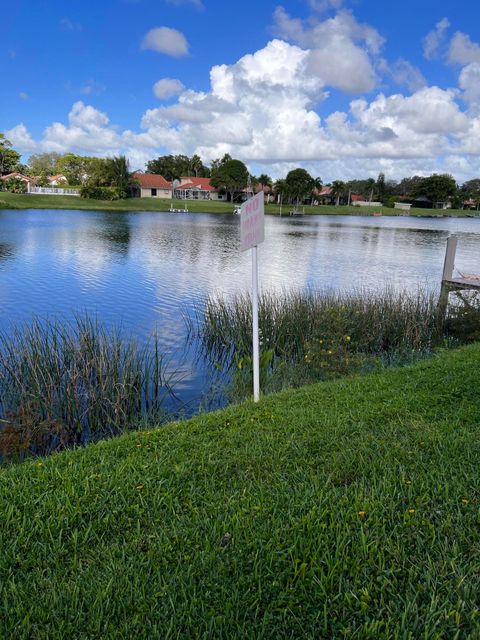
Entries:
{"x":56,"y":180}
{"x":27,"y":179}
{"x":152,"y":185}
{"x":193,"y":188}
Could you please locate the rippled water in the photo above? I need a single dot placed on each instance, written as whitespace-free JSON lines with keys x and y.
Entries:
{"x":143,"y":270}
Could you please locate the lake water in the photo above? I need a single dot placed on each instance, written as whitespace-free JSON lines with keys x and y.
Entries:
{"x":143,"y":271}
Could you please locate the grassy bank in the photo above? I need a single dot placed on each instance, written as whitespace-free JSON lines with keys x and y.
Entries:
{"x":342,"y":510}
{"x":18,"y":201}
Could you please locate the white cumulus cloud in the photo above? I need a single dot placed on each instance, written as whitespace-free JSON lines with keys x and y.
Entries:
{"x":469,"y":81}
{"x":271,"y":109}
{"x":404,"y":73}
{"x":166,"y":40}
{"x":340,"y":49}
{"x":462,"y":50}
{"x":433,"y":40}
{"x":167,"y":88}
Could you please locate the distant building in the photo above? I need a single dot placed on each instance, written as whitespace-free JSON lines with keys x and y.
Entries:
{"x":325,"y":196}
{"x":56,"y":180}
{"x":152,"y":185}
{"x":355,"y":199}
{"x":193,"y":188}
{"x":28,"y":179}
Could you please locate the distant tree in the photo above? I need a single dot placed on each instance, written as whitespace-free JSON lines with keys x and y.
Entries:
{"x":232,"y":176}
{"x":73,"y":167}
{"x":43,"y":164}
{"x":15,"y":185}
{"x":437,"y":188}
{"x":197,"y":168}
{"x":299,"y":184}
{"x":43,"y":181}
{"x":338,"y":190}
{"x":170,"y":167}
{"x":119,"y":175}
{"x":264,"y":180}
{"x":408,"y":186}
{"x":280,"y":190}
{"x":471,"y":188}
{"x":380,"y":187}
{"x":370,"y":189}
{"x":9,"y":158}
{"x":216,"y":164}
{"x":97,"y":172}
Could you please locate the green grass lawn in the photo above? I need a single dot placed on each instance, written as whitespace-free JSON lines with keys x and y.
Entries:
{"x":352,"y":509}
{"x":16,"y":201}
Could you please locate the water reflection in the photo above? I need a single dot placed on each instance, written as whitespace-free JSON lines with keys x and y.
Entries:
{"x":143,"y":270}
{"x":114,"y":230}
{"x":7,"y":251}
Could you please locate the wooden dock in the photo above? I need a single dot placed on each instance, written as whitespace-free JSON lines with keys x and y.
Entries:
{"x":464,"y":281}
{"x":455,"y":285}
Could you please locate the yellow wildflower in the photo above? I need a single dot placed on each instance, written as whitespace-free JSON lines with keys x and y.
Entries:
{"x":362,"y":514}
{"x":347,"y":338}
{"x":408,"y":482}
{"x":139,"y":486}
{"x":411,"y":511}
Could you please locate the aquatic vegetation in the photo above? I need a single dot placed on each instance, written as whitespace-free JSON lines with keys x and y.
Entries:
{"x":315,"y":335}
{"x":64,"y":384}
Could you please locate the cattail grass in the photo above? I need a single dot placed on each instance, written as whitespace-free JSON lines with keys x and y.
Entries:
{"x":63,"y":384}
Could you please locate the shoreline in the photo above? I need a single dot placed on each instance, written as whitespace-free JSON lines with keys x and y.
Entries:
{"x":11,"y":201}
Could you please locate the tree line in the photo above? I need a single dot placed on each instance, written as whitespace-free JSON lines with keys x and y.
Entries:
{"x":108,"y":178}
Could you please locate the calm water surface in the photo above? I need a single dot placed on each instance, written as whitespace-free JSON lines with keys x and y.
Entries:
{"x":143,"y":270}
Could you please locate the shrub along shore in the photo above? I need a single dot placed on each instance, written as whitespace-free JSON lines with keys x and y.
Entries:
{"x":34,"y":201}
{"x":344,"y":509}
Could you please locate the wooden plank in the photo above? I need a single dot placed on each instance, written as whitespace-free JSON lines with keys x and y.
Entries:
{"x":449,"y":263}
{"x":463,"y":283}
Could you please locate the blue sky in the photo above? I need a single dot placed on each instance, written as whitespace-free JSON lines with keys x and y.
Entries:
{"x":344,"y":88}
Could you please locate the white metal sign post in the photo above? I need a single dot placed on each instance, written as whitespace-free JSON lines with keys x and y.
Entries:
{"x":252,"y":233}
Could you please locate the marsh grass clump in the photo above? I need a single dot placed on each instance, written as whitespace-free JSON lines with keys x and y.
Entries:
{"x":65,"y":384}
{"x":315,"y":335}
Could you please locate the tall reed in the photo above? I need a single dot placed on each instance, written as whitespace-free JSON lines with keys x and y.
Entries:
{"x":62,"y":384}
{"x":375,"y":322}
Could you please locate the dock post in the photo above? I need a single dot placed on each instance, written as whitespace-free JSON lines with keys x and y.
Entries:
{"x":450,"y":253}
{"x":448,"y":267}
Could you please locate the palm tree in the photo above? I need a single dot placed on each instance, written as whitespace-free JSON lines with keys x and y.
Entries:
{"x":196,"y":165}
{"x":264,"y":180}
{"x":317,"y":186}
{"x":338,"y":189}
{"x":119,"y":175}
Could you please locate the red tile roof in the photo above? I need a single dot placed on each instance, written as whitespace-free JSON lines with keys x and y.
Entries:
{"x":326,"y":191}
{"x":265,"y":188}
{"x":152,"y":181}
{"x":355,"y":198}
{"x":191,"y":182}
{"x":16,"y":174}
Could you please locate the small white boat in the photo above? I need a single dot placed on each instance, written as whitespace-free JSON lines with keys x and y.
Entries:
{"x":172,"y":210}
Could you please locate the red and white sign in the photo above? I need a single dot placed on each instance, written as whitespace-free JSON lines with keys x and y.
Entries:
{"x":252,"y":222}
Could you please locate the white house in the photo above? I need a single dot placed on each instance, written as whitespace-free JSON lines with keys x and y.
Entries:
{"x":153,"y":185}
{"x":57,"y":180}
{"x":193,"y":188}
